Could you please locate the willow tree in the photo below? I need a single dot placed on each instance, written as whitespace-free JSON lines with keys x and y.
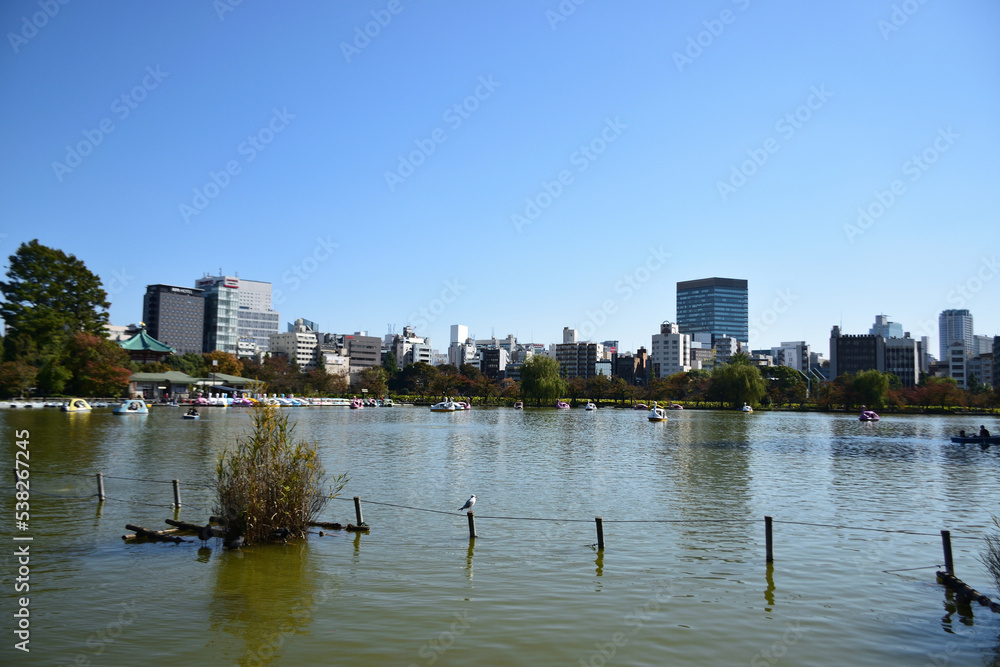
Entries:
{"x":737,"y":383}
{"x":540,"y":379}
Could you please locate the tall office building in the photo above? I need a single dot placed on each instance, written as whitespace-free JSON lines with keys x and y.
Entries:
{"x":954,"y":326}
{"x":255,"y":319}
{"x":237,"y":308}
{"x":717,"y":306}
{"x":222,"y":304}
{"x":175,"y":316}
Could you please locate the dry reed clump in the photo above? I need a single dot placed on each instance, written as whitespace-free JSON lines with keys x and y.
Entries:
{"x":991,"y":556}
{"x":270,"y":482}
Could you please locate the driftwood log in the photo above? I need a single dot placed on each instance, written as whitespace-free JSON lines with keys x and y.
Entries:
{"x":964,"y":592}
{"x":195,"y":528}
{"x":326,"y":524}
{"x":154,"y":535}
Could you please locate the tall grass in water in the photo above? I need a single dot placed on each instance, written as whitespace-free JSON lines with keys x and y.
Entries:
{"x":269,"y":481}
{"x":991,"y":556}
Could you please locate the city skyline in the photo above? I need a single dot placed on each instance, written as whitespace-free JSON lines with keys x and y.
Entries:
{"x":426,"y":174}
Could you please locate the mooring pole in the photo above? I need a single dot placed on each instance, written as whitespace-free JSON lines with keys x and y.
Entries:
{"x":472,"y":525}
{"x":949,"y":564}
{"x":768,"y":541}
{"x":100,"y":487}
{"x":600,"y":531}
{"x":177,"y":492}
{"x":357,"y":509}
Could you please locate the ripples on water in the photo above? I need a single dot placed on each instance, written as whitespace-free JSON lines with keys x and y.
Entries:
{"x":691,"y":588}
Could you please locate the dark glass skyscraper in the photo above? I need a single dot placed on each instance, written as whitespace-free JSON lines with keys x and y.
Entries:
{"x":718,"y":306}
{"x":175,"y":316}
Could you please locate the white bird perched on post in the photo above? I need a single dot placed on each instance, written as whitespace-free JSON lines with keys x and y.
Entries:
{"x":468,"y":503}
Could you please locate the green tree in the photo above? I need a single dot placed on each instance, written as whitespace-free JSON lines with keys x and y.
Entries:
{"x":415,"y":379}
{"x":540,"y":379}
{"x":785,"y":385}
{"x":48,"y":297}
{"x":735,"y":384}
{"x":193,"y":364}
{"x":869,"y":388}
{"x":390,"y":365}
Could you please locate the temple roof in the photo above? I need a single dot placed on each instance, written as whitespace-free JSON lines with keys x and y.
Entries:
{"x":143,"y":342}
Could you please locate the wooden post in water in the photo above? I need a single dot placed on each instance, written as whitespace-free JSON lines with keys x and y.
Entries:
{"x":100,"y":487}
{"x":472,"y":525}
{"x":768,"y":542}
{"x":949,"y":564}
{"x":177,"y":492}
{"x":600,"y":531}
{"x":357,"y":509}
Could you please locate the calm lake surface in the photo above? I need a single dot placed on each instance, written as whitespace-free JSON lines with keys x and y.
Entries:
{"x":683,"y":582}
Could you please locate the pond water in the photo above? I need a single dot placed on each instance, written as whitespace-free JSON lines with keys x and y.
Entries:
{"x":682,"y":580}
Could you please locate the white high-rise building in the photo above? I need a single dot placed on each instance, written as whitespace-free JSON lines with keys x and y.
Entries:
{"x":459,"y":332}
{"x":954,"y":326}
{"x":671,"y":351}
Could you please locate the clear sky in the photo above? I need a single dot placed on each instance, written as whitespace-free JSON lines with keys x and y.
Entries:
{"x":517,"y":166}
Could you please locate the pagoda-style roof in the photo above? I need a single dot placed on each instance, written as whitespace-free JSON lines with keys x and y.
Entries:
{"x":143,"y":342}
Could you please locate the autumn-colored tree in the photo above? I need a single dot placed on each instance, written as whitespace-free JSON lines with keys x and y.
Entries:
{"x":16,"y":377}
{"x":228,"y":364}
{"x":374,"y":380}
{"x":99,"y":366}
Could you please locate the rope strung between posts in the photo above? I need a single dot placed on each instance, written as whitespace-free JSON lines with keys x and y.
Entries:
{"x":131,"y":479}
{"x":512,"y":518}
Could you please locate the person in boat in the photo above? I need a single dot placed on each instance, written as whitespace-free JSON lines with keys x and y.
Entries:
{"x":983,"y":433}
{"x":961,"y":433}
{"x":133,"y":406}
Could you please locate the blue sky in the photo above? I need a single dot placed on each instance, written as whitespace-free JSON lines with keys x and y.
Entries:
{"x":517,"y":167}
